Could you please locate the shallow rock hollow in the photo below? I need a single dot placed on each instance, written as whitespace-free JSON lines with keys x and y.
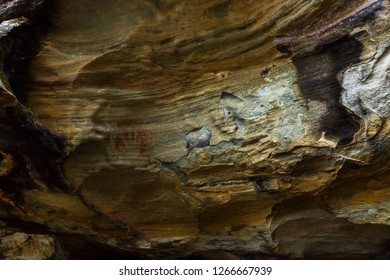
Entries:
{"x":167,"y":129}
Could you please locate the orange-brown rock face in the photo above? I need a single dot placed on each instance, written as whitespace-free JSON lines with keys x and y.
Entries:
{"x":195,"y":129}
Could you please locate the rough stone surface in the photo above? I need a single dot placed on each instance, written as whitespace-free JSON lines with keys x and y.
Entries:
{"x":195,"y":129}
{"x":21,"y":246}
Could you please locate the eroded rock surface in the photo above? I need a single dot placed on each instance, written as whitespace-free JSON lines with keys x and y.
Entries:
{"x":21,"y":246}
{"x":197,"y":129}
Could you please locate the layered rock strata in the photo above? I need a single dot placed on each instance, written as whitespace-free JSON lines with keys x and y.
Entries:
{"x":195,"y":129}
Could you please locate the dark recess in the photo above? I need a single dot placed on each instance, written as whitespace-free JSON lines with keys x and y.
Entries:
{"x":25,"y":226}
{"x":317,"y":80}
{"x":73,"y":247}
{"x":33,"y":148}
{"x":26,"y":46}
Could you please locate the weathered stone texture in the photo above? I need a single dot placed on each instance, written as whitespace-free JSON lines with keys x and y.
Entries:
{"x":197,"y":129}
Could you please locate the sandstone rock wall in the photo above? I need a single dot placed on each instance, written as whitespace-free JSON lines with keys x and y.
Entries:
{"x":197,"y":129}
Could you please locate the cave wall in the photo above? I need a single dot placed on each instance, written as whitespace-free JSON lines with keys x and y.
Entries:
{"x":195,"y":129}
